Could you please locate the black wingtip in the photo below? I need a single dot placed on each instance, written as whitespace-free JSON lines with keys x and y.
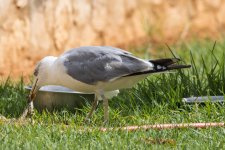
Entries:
{"x":165,"y":61}
{"x":162,"y":65}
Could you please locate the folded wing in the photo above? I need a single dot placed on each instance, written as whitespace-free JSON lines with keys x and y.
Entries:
{"x":92,"y":64}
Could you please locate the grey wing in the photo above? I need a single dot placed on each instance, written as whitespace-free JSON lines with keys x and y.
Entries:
{"x":92,"y":64}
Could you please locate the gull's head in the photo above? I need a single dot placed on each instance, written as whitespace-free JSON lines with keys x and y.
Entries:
{"x":42,"y":72}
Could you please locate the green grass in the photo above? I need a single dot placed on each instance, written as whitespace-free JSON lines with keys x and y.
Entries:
{"x":157,"y":99}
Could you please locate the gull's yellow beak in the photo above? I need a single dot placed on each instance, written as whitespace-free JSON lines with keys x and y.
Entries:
{"x":30,"y":98}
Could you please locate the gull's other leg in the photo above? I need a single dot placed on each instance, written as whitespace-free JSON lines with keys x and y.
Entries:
{"x":106,"y":108}
{"x":94,"y":105}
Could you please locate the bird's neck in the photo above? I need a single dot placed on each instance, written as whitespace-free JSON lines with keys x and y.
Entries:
{"x":49,"y":72}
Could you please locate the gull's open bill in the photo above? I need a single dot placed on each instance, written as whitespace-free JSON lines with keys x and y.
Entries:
{"x":102,"y":70}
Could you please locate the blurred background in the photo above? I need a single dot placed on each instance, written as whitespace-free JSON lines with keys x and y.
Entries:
{"x":32,"y":29}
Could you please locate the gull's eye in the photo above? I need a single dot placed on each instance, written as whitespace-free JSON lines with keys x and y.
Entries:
{"x":36,"y":71}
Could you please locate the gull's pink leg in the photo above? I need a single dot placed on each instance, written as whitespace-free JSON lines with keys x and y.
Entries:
{"x":94,"y":105}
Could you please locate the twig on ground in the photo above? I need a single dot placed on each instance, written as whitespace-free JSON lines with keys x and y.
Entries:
{"x":166,"y":126}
